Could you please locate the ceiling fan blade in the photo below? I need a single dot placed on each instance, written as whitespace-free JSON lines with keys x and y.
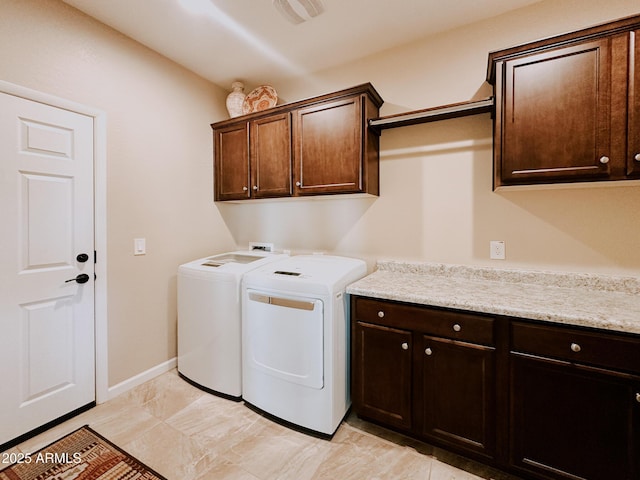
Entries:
{"x":298,"y":11}
{"x":313,"y":7}
{"x":286,"y":10}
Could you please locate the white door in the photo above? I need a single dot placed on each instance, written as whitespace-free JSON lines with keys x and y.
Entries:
{"x":47,"y":366}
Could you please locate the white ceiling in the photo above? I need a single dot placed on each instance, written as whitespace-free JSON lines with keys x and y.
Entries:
{"x":249,"y":40}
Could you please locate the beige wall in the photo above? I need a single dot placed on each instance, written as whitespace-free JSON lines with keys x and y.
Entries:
{"x":158,"y":161}
{"x":436,"y":202}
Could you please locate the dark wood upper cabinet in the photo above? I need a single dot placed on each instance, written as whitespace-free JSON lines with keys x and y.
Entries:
{"x":317,"y":146}
{"x":633,"y":152}
{"x":270,"y":140}
{"x":567,"y":108}
{"x":231,"y":171}
{"x":556,"y":120}
{"x":328,"y":147}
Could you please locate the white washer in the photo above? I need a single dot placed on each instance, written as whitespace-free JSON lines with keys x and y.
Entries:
{"x":209,"y":319}
{"x":295,"y":339}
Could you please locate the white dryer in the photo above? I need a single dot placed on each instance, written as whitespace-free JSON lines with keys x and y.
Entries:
{"x":209,"y":318}
{"x":295,"y":339}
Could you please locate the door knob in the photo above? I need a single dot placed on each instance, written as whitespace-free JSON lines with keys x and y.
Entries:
{"x":82,"y":278}
{"x":83,"y":257}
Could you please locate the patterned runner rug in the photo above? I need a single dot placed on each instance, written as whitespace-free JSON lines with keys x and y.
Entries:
{"x":81,"y":455}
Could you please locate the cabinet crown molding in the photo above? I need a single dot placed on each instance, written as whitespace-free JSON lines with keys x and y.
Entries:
{"x":605,"y":29}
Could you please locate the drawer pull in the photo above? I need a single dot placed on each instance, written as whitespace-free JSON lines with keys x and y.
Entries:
{"x":638,"y":397}
{"x":405,"y":346}
{"x":428,"y":351}
{"x":381,"y":314}
{"x":575,"y":347}
{"x":457,"y":327}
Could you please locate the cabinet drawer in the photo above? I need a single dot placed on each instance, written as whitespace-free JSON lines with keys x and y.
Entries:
{"x":474,"y":328}
{"x":574,"y":345}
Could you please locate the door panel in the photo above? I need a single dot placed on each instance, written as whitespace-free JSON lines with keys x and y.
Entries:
{"x":271,"y":156}
{"x":458,"y":391}
{"x":570,"y":422}
{"x":232,"y":162}
{"x":46,"y":323}
{"x":382,"y":374}
{"x":556,"y":120}
{"x":328,"y":147}
{"x":46,"y":206}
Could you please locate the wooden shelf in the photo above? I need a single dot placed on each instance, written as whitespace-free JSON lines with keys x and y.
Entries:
{"x":454,"y":110}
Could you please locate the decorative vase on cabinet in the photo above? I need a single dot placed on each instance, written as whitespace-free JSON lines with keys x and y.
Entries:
{"x":235,"y":99}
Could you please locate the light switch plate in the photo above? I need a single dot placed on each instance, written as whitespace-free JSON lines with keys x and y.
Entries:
{"x":139,"y":246}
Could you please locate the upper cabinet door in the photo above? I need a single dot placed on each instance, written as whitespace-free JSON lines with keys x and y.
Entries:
{"x":232,"y":162}
{"x":555,"y":114}
{"x":270,"y":140}
{"x":328,"y":153}
{"x":633,"y":154}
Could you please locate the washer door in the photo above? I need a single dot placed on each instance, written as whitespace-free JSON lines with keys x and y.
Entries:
{"x":284,"y":337}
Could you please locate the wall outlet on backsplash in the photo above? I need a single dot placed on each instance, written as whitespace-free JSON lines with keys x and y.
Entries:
{"x":496,"y":250}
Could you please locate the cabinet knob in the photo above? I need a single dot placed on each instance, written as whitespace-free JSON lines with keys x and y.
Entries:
{"x":604,"y":160}
{"x":428,"y":351}
{"x":457,"y":328}
{"x":244,"y":189}
{"x":405,"y":346}
{"x":638,"y":397}
{"x":575,"y":347}
{"x":255,"y":187}
{"x":298,"y":184}
{"x":637,"y":157}
{"x":381,"y":314}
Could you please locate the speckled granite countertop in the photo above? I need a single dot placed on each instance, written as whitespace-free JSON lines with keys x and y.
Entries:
{"x":599,"y":301}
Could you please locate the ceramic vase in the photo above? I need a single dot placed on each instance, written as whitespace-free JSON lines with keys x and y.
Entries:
{"x":235,"y":99}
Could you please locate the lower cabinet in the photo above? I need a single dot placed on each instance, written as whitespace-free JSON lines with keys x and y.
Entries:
{"x":540,"y":400}
{"x":458,"y":394}
{"x":383,"y":388}
{"x":423,"y":371}
{"x":572,"y":415}
{"x":570,"y":422}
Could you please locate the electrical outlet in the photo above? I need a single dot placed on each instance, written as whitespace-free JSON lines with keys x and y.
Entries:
{"x":496,"y":250}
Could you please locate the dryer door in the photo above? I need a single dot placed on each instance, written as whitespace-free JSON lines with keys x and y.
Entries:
{"x":284,"y":337}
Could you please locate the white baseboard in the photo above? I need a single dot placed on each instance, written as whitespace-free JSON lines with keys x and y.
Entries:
{"x":141,"y":378}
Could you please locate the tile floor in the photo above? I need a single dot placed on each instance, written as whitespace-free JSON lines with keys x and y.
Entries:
{"x":187,"y":434}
